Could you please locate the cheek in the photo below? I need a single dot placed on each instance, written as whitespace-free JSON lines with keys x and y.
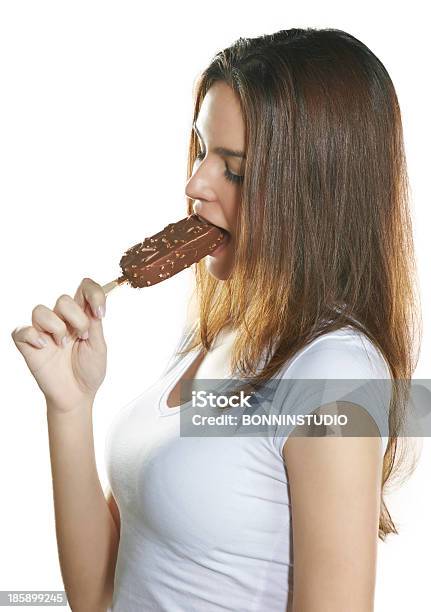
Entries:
{"x":231,"y":208}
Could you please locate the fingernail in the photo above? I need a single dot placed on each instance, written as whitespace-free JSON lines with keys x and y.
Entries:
{"x":64,"y":340}
{"x":41,"y":342}
{"x":84,"y":336}
{"x":101,"y":311}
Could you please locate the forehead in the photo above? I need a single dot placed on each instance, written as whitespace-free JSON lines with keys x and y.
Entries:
{"x":220,"y":113}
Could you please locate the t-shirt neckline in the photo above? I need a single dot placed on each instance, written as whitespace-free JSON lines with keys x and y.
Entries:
{"x":175,"y":375}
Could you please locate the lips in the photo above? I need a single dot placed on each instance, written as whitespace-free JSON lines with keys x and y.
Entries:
{"x":226,"y":236}
{"x":226,"y":233}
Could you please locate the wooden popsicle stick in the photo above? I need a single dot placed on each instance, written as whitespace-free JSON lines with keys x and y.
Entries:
{"x":115,"y":283}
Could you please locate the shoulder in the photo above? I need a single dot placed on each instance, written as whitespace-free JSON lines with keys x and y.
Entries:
{"x":342,"y":371}
{"x":344,"y":353}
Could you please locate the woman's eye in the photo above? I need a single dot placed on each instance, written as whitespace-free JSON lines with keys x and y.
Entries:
{"x":233,"y":178}
{"x":230,"y":176}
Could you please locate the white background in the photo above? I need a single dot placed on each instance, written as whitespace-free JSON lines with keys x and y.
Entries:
{"x":95,"y":115}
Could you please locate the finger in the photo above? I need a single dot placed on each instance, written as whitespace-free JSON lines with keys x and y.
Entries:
{"x":90,"y":296}
{"x":45,"y":320}
{"x":92,"y":293}
{"x":73,"y":315}
{"x":30,"y":335}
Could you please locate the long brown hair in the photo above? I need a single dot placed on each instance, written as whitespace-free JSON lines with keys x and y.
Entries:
{"x":324,"y":216}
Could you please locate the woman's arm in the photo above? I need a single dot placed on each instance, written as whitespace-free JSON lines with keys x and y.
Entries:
{"x":113,"y":508}
{"x":335,"y":486}
{"x":87,"y":535}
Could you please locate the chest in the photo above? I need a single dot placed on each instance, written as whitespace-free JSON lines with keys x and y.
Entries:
{"x":213,"y":365}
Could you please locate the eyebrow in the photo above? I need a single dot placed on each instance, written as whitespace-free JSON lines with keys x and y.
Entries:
{"x":221,"y":150}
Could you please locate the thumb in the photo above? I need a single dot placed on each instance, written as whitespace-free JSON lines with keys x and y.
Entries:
{"x":85,"y":295}
{"x":96,"y":336}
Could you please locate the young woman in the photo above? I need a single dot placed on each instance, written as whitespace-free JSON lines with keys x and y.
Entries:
{"x":297,"y":151}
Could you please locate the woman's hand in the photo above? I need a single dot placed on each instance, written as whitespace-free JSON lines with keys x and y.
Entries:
{"x":71,"y":366}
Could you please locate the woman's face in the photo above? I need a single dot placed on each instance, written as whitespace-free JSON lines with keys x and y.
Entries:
{"x":215,"y":184}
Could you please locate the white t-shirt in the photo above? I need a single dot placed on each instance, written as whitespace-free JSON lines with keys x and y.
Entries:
{"x":206,"y":521}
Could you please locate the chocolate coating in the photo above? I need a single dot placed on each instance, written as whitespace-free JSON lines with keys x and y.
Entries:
{"x":175,"y":247}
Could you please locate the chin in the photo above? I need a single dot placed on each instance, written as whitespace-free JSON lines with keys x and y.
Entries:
{"x":220,"y":264}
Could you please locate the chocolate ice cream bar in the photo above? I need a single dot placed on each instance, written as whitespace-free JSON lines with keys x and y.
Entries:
{"x":175,"y":247}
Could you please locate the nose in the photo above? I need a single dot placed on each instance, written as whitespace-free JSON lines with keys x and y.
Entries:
{"x":198,"y":187}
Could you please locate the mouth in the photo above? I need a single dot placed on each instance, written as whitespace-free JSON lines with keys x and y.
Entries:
{"x":223,"y":243}
{"x":225,"y":232}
